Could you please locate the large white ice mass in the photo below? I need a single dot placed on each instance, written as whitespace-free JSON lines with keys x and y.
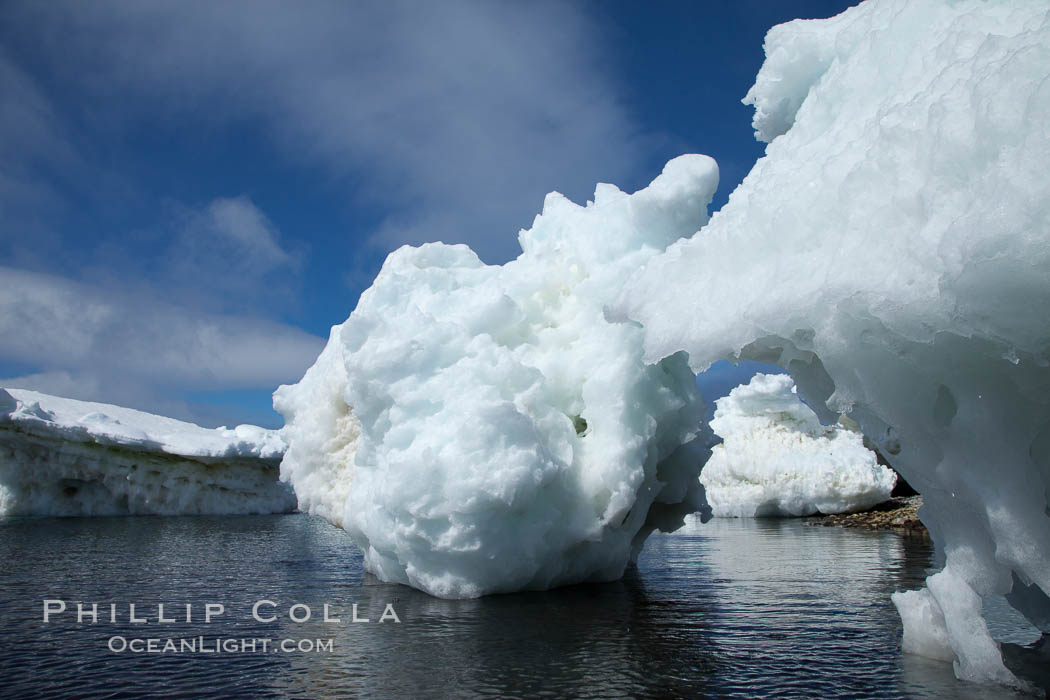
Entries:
{"x":892,"y":251}
{"x":64,"y":457}
{"x":505,"y":433}
{"x":776,"y":459}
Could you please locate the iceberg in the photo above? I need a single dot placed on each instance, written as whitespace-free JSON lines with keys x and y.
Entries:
{"x":64,"y":457}
{"x":482,"y":429}
{"x":479,"y":429}
{"x":892,"y":252}
{"x":776,"y":459}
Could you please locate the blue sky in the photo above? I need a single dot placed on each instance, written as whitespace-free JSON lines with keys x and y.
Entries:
{"x":192,"y":194}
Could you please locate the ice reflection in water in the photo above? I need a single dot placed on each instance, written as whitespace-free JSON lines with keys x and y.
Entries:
{"x":732,"y":608}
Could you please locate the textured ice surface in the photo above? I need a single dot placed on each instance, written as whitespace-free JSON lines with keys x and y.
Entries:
{"x":777,"y":459}
{"x":505,"y":434}
{"x":892,"y":250}
{"x":65,"y":457}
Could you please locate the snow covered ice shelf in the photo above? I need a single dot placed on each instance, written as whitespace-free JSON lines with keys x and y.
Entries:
{"x":64,"y":457}
{"x":776,"y":459}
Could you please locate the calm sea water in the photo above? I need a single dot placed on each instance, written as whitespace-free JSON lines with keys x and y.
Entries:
{"x":734,"y":608}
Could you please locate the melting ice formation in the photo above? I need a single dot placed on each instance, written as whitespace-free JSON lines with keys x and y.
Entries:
{"x":506,"y":434}
{"x":523,"y":426}
{"x":64,"y":457}
{"x":776,"y":459}
{"x":892,"y":250}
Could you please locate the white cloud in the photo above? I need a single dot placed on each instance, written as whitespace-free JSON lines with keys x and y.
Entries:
{"x":113,"y":345}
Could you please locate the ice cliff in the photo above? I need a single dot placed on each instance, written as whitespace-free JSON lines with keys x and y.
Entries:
{"x":65,"y":457}
{"x":892,"y":251}
{"x":505,"y":433}
{"x":522,"y":426}
{"x":776,"y":459}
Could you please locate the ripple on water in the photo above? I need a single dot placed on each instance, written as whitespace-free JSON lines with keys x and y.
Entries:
{"x":734,"y":608}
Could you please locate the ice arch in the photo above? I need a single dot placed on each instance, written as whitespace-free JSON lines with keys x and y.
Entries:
{"x":525,"y":426}
{"x":892,"y":250}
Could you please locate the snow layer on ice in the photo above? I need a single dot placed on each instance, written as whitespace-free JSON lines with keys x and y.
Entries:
{"x":776,"y":459}
{"x":65,"y":457}
{"x":480,"y":429}
{"x":892,"y":251}
{"x":105,"y":424}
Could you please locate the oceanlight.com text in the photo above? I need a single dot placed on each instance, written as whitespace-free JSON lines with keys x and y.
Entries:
{"x":220,"y":645}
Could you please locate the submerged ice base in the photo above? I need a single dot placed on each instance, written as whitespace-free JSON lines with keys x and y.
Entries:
{"x":776,"y":459}
{"x":65,"y":457}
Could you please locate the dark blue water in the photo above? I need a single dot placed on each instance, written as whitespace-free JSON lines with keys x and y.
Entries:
{"x":729,"y":609}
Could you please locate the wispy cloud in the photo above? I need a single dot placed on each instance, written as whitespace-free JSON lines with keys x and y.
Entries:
{"x":454,"y":117}
{"x":227,"y":254}
{"x":238,"y":227}
{"x":34,"y":146}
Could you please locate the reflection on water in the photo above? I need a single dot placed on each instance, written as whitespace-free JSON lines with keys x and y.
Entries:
{"x":732,"y":608}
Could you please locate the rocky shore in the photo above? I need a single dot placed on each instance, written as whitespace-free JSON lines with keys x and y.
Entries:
{"x":898,"y":514}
